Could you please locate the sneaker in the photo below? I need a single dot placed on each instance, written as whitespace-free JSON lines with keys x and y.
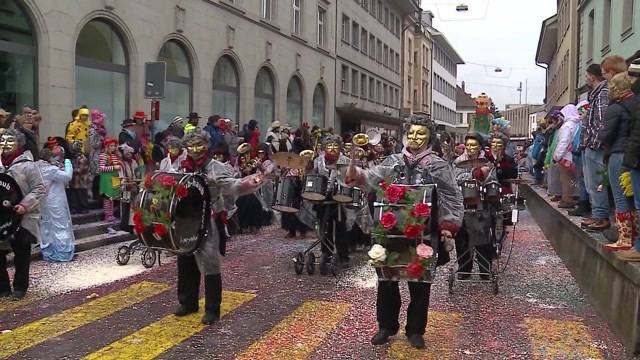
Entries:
{"x":586,"y":222}
{"x":382,"y":336}
{"x":555,"y":198}
{"x":566,"y":204}
{"x":416,"y":341}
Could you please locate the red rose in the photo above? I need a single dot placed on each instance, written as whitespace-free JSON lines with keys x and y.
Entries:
{"x":182,"y":192}
{"x":137,"y":218}
{"x":138,"y":228}
{"x":421,"y":210}
{"x":167,"y":181}
{"x":384,"y":185}
{"x":412,"y":231}
{"x":415,"y":270}
{"x":388,"y":220}
{"x":160,"y":229}
{"x":148,"y":183}
{"x":394,"y":193}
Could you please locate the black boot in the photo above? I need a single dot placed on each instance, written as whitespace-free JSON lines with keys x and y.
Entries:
{"x":382,"y":336}
{"x":184,"y":311}
{"x":583,"y":209}
{"x":416,"y":341}
{"x":212,"y":298}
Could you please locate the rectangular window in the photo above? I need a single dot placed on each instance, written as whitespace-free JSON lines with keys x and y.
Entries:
{"x":372,"y":47}
{"x":379,"y":50}
{"x":345,"y":28}
{"x":386,"y":18}
{"x":363,"y":86}
{"x":322,"y":26}
{"x":364,"y":4}
{"x":380,"y":14}
{"x":606,"y":24}
{"x":590,"y":22}
{"x":391,"y":66}
{"x":344,"y":82}
{"x":378,"y":92}
{"x":354,"y":82}
{"x":355,"y":35}
{"x":266,"y":8}
{"x":296,"y":17}
{"x":364,"y":41}
{"x":397,"y":63}
{"x":372,"y":90}
{"x":385,"y":99}
{"x":410,"y":48}
{"x":397,"y":98}
{"x":409,"y":86}
{"x":386,"y":55}
{"x":627,"y":16}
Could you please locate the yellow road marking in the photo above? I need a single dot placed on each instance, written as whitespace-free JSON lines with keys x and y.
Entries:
{"x":442,"y":330}
{"x":39,"y":331}
{"x":299,"y":334}
{"x":555,"y":339}
{"x":162,"y":335}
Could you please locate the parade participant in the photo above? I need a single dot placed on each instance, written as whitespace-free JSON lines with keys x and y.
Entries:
{"x":267,"y":168}
{"x":504,"y":165}
{"x":176,"y":128}
{"x":97,"y":133}
{"x":18,"y":163}
{"x":56,"y":231}
{"x":108,"y":167}
{"x":192,"y":124}
{"x":129,"y":136}
{"x":175,"y":155}
{"x":251,"y":213}
{"x":475,"y":225}
{"x":78,"y":129}
{"x":416,"y":162}
{"x":221,"y":153}
{"x":128,"y":174}
{"x":205,"y":261}
{"x":81,"y":180}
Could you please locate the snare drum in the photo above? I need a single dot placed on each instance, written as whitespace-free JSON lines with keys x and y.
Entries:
{"x":492,"y":191}
{"x":315,"y":187}
{"x":344,"y":194}
{"x":471,"y":192}
{"x":287,"y":199}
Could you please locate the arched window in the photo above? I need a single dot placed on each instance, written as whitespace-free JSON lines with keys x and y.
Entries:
{"x":178,"y":88}
{"x":319,"y":105}
{"x":226,"y":89}
{"x":264,"y":99}
{"x":294,"y":102}
{"x":17,"y":58}
{"x":102,"y":72}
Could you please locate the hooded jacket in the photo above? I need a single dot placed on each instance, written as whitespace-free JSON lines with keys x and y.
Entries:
{"x":566,"y":133}
{"x":614,"y":135}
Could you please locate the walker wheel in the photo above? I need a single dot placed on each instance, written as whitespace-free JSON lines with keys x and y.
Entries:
{"x":324,"y":264}
{"x":298,"y":263}
{"x":311,"y":263}
{"x":334,"y":266}
{"x":148,"y":258}
{"x":122,"y":258}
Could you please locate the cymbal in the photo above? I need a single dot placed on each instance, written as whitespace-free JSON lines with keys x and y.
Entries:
{"x":472,"y":163}
{"x":288,"y":160}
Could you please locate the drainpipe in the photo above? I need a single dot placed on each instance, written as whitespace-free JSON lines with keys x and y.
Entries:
{"x":335,"y":74}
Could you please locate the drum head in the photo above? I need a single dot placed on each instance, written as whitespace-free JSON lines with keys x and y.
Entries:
{"x":10,"y":195}
{"x":191,"y":214}
{"x":313,"y":196}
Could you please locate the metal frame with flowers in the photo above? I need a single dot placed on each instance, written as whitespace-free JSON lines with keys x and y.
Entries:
{"x":406,"y":236}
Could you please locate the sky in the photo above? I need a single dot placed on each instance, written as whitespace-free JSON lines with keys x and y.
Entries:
{"x":497,"y":33}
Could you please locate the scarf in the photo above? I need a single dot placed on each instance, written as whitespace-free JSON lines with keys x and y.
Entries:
{"x":7,"y":159}
{"x":412,"y":159}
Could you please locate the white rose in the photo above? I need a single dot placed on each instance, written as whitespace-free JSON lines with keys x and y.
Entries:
{"x":378,"y":253}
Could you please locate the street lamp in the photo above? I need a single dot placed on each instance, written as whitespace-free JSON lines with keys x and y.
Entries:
{"x":462,"y":8}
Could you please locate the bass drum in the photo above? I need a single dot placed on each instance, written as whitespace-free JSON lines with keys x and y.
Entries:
{"x":492,"y":191}
{"x":10,"y":196}
{"x":287,"y":196}
{"x":189,"y":211}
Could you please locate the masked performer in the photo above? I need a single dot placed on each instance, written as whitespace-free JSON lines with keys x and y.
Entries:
{"x":475,"y":224}
{"x":175,"y":155}
{"x":108,"y":167}
{"x":415,"y":164}
{"x":128,"y":173}
{"x":205,"y":261}
{"x":504,"y":165}
{"x":18,"y":163}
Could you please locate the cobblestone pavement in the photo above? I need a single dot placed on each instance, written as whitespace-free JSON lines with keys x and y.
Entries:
{"x":93,"y":308}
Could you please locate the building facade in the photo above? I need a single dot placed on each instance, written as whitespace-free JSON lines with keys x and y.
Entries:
{"x":557,"y":53}
{"x":242,"y":59}
{"x":417,"y":65}
{"x":465,"y":112}
{"x":520,"y":117}
{"x":445,"y":72}
{"x":606,"y":27}
{"x":368,"y":63}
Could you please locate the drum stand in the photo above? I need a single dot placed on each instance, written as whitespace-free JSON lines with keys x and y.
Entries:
{"x":328,"y":262}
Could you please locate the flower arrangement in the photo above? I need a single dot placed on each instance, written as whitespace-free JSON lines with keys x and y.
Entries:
{"x":157,"y":218}
{"x":398,"y":233}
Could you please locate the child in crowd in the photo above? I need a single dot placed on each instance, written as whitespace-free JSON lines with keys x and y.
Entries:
{"x":108,"y":168}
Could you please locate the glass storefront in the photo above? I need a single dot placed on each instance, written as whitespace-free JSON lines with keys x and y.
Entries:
{"x":178,"y":87}
{"x":226,"y":89}
{"x":264,"y":99}
{"x":294,"y":103}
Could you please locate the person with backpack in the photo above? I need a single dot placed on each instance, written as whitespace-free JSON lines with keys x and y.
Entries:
{"x":584,"y":207}
{"x":563,"y":157}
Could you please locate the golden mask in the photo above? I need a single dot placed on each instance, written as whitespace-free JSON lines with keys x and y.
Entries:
{"x":218,"y":157}
{"x":497,"y":145}
{"x":332,"y":148}
{"x":197,"y":150}
{"x":418,"y":137}
{"x":347,"y":148}
{"x":472,"y":146}
{"x":9,"y":144}
{"x":174,"y":151}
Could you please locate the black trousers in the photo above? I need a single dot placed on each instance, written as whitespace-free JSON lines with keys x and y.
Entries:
{"x":189,"y":286}
{"x":465,"y":256}
{"x":389,"y":302}
{"x":78,"y":199}
{"x":21,"y":246}
{"x":335,"y":224}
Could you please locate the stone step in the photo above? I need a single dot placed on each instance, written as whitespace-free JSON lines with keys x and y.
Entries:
{"x":91,"y":216}
{"x":93,"y":228}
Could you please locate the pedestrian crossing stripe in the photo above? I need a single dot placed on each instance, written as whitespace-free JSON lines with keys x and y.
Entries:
{"x":442,"y":330}
{"x":300,"y":333}
{"x":151,"y":341}
{"x":555,"y":339}
{"x":39,"y":331}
